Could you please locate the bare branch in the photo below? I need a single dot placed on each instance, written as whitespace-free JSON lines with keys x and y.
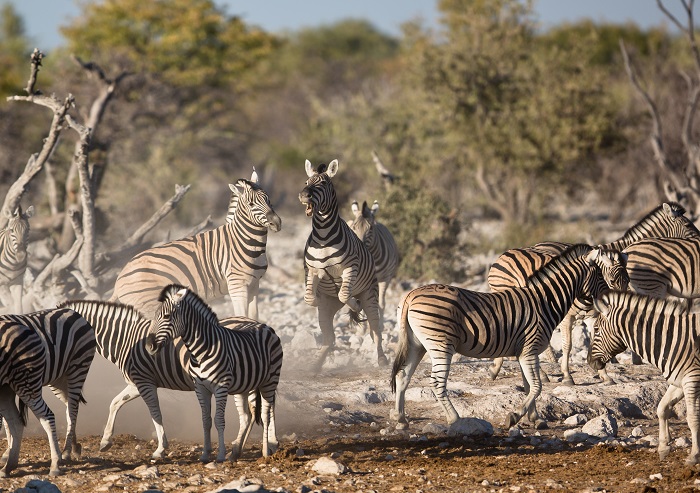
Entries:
{"x":36,"y":58}
{"x":198,"y":228}
{"x":387,"y":177}
{"x":671,"y":17}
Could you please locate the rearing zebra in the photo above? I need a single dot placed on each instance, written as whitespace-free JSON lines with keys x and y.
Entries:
{"x":443,"y":320}
{"x":224,"y":362}
{"x":665,"y":333}
{"x":381,"y":245}
{"x":514,"y":266}
{"x":230,"y":259}
{"x":13,"y":258}
{"x":339,"y":267}
{"x":121,"y":333}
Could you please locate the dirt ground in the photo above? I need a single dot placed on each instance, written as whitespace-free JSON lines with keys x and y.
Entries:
{"x":377,"y":457}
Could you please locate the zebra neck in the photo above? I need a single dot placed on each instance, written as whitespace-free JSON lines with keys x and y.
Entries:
{"x":252,"y":234}
{"x":559,"y":289}
{"x":323,"y":226}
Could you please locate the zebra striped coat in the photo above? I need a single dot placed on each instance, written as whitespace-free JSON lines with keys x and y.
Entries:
{"x":23,"y":362}
{"x":230,"y":259}
{"x":121,"y":332}
{"x":339,"y":268}
{"x":442,"y":320}
{"x":223,"y":362}
{"x":13,"y":258}
{"x":380,"y":244}
{"x":664,"y":333}
{"x":514,"y":266}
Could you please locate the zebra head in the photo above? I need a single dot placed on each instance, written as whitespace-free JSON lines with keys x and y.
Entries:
{"x":363,"y":224}
{"x":612,"y":266}
{"x":167,"y":322}
{"x":252,"y":203}
{"x":18,"y":227}
{"x":675,"y":222}
{"x":319,"y":194}
{"x":606,"y":343}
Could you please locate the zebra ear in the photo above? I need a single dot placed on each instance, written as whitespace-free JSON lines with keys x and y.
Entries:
{"x":593,"y":255}
{"x":375,"y":207}
{"x":668,"y":209}
{"x":332,"y":168}
{"x":179,"y":295}
{"x":254,"y":176}
{"x":234,"y":190}
{"x":29,"y":212}
{"x":354,"y":207}
{"x":601,"y":305}
{"x":309,"y":168}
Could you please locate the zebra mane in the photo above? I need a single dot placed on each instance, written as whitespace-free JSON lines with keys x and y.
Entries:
{"x":196,"y":302}
{"x":129,"y":309}
{"x":251,"y":184}
{"x":321,"y":168}
{"x":665,"y":306}
{"x":633,"y":231}
{"x":566,"y":257}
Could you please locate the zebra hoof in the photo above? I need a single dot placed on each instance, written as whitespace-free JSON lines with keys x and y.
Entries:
{"x":541,"y":424}
{"x":105,"y":446}
{"x":512,"y":420}
{"x":569,"y":382}
{"x":609,"y":381}
{"x":493,"y":374}
{"x":55,"y":472}
{"x":692,"y":460}
{"x":402,"y":425}
{"x":383,"y":361}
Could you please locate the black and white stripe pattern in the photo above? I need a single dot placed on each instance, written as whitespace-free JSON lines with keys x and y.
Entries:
{"x":121,"y":332}
{"x":339,"y":268}
{"x":69,"y":343}
{"x":13,"y":258}
{"x":23,"y":362}
{"x":664,"y":333}
{"x":230,"y":259}
{"x":512,"y":268}
{"x":442,"y":320}
{"x":381,"y":245}
{"x":224,"y":362}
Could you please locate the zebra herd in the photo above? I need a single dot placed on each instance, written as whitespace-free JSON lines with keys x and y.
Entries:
{"x":159,"y":331}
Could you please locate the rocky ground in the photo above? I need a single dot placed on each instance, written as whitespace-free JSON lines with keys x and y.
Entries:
{"x":336,"y":434}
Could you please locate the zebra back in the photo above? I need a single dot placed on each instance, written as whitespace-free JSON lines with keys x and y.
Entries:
{"x":210,"y":262}
{"x":377,"y":239}
{"x":250,"y":355}
{"x":13,"y":246}
{"x":332,"y":246}
{"x":663,"y":332}
{"x":68,"y":339}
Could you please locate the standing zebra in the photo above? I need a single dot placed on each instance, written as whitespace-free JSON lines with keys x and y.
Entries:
{"x":339,"y":267}
{"x":664,"y":333}
{"x":13,"y":258}
{"x":225,"y":362}
{"x":512,"y":268}
{"x":381,"y":245}
{"x":230,"y":259}
{"x":121,"y":333}
{"x":443,"y":320}
{"x":69,"y":343}
{"x":23,"y":362}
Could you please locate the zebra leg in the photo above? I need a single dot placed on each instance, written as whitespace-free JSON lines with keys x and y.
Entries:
{"x":663,"y":411}
{"x":530,"y":367}
{"x":566,"y":327}
{"x":221,"y":395}
{"x":371,"y":308}
{"x":381,"y":299}
{"x":269,"y":440}
{"x":438,"y":379}
{"x":128,"y":394}
{"x":327,"y":308}
{"x":253,"y":291}
{"x":691,"y":389}
{"x":149,"y":393}
{"x":60,"y":390}
{"x":245,"y":423}
{"x":495,"y":367}
{"x":14,"y":429}
{"x":349,"y":277}
{"x":414,"y":355}
{"x":204,"y":398}
{"x":312,"y":278}
{"x":45,"y":416}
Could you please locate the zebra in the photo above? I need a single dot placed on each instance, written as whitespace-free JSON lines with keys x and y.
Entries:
{"x":69,"y":343}
{"x":514,"y":266}
{"x":441,"y":320}
{"x":121,"y":331}
{"x":229,"y":259}
{"x":339,"y":267}
{"x":224,"y":362}
{"x":664,"y":333}
{"x":13,"y":258}
{"x":381,"y":245}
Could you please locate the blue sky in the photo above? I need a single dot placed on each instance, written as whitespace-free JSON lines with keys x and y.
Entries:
{"x":43,"y":17}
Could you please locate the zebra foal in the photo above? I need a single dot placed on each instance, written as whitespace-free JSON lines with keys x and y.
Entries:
{"x":339,"y":268}
{"x":13,"y":258}
{"x":442,"y":320}
{"x":230,"y":259}
{"x":664,"y":333}
{"x":512,"y":268}
{"x":380,"y":244}
{"x":224,"y":362}
{"x":121,"y":333}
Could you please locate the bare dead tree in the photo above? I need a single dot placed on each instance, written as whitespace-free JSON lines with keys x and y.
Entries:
{"x":681,"y":180}
{"x":388,"y":177}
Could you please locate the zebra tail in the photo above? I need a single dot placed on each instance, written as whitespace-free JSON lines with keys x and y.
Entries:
{"x":258,"y":406}
{"x":402,"y":350}
{"x":82,"y":399}
{"x":23,"y":412}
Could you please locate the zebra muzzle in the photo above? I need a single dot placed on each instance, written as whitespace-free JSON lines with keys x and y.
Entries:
{"x":596,"y":363}
{"x":151,"y":345}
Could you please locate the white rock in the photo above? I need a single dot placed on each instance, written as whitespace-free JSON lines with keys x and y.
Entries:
{"x":470,"y":427}
{"x":603,"y":426}
{"x":326,"y":465}
{"x":575,"y":435}
{"x":637,"y":432}
{"x":683,"y":442}
{"x":576,"y":420}
{"x":434,"y":428}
